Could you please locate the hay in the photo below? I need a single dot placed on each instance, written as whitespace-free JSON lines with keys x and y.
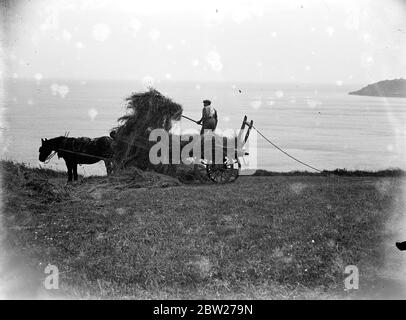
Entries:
{"x":145,"y":111}
{"x":46,"y":190}
{"x":124,"y":179}
{"x":42,"y":184}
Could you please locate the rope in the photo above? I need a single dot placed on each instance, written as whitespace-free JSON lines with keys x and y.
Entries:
{"x":85,"y":154}
{"x":283,"y":151}
{"x":48,"y":159}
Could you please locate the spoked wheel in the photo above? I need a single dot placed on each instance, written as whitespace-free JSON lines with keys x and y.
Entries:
{"x":222,"y":173}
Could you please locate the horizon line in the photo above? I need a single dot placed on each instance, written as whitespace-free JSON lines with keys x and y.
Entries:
{"x":164,"y":81}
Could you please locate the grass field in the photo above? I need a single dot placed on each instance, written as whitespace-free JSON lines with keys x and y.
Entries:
{"x":147,"y":236}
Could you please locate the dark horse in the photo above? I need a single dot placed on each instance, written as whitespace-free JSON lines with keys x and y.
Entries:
{"x":78,"y":151}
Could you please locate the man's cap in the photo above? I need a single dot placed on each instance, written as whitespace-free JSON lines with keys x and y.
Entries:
{"x":207,"y":101}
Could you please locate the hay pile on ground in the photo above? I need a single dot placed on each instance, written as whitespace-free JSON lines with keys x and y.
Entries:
{"x":39,"y":183}
{"x":146,"y":111}
{"x":128,"y":178}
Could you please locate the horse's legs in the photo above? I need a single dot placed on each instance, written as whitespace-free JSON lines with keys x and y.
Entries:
{"x":75,"y":171}
{"x":70,"y":169}
{"x":108,"y":165}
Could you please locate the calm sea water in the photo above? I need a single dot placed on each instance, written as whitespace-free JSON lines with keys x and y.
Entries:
{"x":319,"y":124}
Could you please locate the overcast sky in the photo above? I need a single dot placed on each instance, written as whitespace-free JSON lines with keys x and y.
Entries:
{"x":312,"y":41}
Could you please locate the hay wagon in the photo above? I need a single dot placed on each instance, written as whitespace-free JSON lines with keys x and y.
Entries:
{"x":229,"y":170}
{"x":133,"y":144}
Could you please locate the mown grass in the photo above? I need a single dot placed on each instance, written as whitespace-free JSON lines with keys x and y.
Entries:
{"x":260,"y":237}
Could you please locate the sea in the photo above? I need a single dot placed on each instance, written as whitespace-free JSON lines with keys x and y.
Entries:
{"x":319,"y":124}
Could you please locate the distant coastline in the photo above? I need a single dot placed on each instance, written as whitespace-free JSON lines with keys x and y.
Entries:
{"x":387,"y":88}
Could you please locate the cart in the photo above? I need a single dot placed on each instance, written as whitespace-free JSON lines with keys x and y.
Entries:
{"x":229,"y":170}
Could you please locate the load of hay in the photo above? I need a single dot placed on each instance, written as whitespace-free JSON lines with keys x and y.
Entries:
{"x":145,"y":111}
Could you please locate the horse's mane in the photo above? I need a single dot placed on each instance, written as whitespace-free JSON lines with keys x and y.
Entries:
{"x":56,"y":139}
{"x":65,"y":139}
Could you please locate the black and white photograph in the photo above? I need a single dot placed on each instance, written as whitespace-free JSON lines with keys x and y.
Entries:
{"x":203,"y":150}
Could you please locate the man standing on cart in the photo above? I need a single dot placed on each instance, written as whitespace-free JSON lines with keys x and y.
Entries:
{"x":209,"y":117}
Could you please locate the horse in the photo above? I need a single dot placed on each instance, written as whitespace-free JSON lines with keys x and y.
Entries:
{"x":76,"y":151}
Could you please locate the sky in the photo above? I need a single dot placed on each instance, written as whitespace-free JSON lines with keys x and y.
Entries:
{"x":312,"y":41}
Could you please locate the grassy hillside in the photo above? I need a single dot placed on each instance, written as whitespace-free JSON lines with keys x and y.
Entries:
{"x":143,"y":235}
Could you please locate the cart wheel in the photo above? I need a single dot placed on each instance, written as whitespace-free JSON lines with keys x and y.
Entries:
{"x":222,"y":173}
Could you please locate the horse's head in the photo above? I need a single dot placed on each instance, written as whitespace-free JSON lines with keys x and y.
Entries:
{"x":45,"y":150}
